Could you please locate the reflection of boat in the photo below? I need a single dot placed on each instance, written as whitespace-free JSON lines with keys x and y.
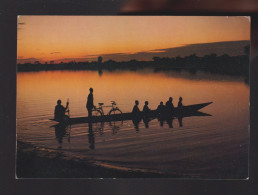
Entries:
{"x":185,"y":111}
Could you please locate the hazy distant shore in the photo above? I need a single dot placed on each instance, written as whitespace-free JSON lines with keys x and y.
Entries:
{"x":35,"y":163}
{"x":226,"y":65}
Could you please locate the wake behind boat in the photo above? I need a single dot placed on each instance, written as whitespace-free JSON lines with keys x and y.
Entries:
{"x":184,"y":111}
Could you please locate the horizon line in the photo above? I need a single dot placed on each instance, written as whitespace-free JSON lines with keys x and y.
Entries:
{"x":153,"y":51}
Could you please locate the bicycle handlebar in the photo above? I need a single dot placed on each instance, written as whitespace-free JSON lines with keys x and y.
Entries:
{"x":112,"y":102}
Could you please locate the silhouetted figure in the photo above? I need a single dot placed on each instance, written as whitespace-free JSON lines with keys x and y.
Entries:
{"x":161,"y":108}
{"x":90,"y":104}
{"x":146,"y":110}
{"x":136,"y":111}
{"x":146,"y":114}
{"x":136,"y":115}
{"x":180,"y":104}
{"x":91,"y":137}
{"x":60,"y":111}
{"x":169,"y":106}
{"x":161,"y":111}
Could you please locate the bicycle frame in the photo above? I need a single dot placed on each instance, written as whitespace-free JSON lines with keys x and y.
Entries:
{"x":100,"y":108}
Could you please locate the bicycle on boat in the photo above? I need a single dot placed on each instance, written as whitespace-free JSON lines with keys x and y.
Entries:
{"x":98,"y":111}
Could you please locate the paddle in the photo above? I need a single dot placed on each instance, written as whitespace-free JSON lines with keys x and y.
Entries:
{"x":68,"y":109}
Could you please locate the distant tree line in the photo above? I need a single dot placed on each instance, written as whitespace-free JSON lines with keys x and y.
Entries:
{"x":225,"y":64}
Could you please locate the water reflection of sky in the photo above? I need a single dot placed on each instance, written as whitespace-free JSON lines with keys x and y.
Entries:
{"x":210,"y":142}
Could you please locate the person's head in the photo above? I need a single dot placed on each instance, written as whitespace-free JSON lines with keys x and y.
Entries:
{"x":170,"y":99}
{"x":146,"y":103}
{"x":161,"y":103}
{"x":136,"y":102}
{"x":59,"y":102}
{"x":180,"y":99}
{"x":91,"y":90}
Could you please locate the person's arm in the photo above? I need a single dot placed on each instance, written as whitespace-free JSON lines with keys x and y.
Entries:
{"x":67,"y":104}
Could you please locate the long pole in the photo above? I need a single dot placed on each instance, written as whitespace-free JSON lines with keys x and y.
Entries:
{"x":68,"y":109}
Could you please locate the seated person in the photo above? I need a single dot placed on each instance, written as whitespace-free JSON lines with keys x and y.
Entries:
{"x":146,"y":109}
{"x":179,"y":105}
{"x":169,"y":105}
{"x":136,"y":110}
{"x":161,"y":108}
{"x":60,"y":111}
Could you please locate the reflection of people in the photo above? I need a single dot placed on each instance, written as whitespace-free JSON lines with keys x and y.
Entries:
{"x":146,"y":109}
{"x":161,"y":122}
{"x":60,"y":132}
{"x":60,"y":111}
{"x":90,"y":104}
{"x":91,"y":137}
{"x":179,"y":105}
{"x":146,"y":121}
{"x":136,"y":110}
{"x":180,"y":121}
{"x":169,"y":105}
{"x":136,"y":121}
{"x":170,"y":122}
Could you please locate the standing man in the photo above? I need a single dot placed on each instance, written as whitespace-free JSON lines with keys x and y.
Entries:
{"x":90,"y":104}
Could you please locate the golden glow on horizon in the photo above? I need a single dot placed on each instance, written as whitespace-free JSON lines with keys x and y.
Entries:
{"x":61,"y":85}
{"x":65,"y":37}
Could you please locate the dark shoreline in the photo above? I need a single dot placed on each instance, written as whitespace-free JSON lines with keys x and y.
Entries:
{"x":35,"y":162}
{"x":31,"y":162}
{"x":225,"y":65}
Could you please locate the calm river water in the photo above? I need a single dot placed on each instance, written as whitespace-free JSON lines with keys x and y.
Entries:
{"x":210,"y":147}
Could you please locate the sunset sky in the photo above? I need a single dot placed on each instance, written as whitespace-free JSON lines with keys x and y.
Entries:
{"x":66,"y":38}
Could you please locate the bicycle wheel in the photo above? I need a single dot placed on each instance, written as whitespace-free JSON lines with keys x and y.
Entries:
{"x":96,"y":113}
{"x":115,"y":111}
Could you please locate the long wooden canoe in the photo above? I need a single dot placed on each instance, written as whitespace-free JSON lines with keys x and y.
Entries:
{"x":185,"y":111}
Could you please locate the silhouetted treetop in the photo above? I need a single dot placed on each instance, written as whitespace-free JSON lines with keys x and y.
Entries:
{"x":224,"y":64}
